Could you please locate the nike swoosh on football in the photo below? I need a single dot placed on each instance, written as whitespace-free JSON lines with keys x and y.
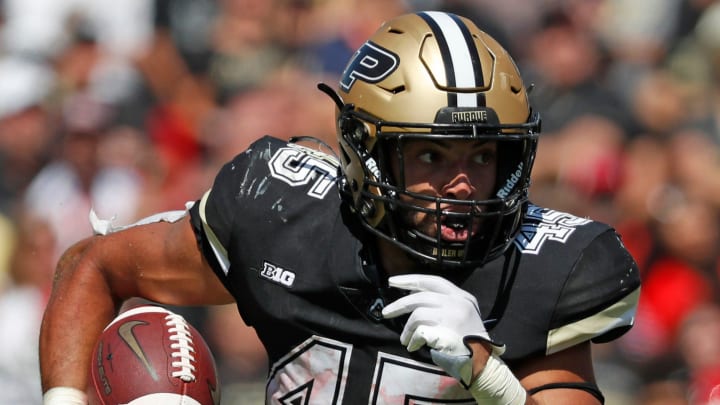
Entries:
{"x":126,"y":333}
{"x":214,"y":393}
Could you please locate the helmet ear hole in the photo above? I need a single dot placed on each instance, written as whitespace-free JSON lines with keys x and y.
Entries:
{"x":355,"y":129}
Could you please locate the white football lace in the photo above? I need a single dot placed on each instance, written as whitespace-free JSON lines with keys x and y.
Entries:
{"x":183,"y":348}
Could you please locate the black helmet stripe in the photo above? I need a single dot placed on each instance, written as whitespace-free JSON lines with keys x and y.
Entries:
{"x":460,"y":55}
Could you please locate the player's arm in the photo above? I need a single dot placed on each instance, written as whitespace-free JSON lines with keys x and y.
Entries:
{"x":598,"y":303}
{"x":604,"y":287}
{"x":159,"y":261}
{"x":565,"y":377}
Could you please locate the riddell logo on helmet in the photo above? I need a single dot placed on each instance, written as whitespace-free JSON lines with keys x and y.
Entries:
{"x":373,"y":167}
{"x":470,"y":116}
{"x":511,"y":182}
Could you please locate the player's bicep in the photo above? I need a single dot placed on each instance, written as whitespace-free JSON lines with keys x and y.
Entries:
{"x":159,"y":261}
{"x":565,"y":377}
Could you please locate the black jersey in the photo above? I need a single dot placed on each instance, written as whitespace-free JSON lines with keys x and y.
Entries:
{"x":276,"y":233}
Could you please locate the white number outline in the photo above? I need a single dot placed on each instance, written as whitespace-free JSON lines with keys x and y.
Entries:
{"x":546,"y":225}
{"x":297,"y":366}
{"x":397,"y":377}
{"x":297,"y":166}
{"x":396,"y":380}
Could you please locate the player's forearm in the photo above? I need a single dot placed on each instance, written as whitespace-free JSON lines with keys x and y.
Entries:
{"x":493,"y":382}
{"x":78,"y":309}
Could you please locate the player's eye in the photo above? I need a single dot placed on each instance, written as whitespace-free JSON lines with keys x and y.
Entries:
{"x":428,"y":157}
{"x":484,"y":158}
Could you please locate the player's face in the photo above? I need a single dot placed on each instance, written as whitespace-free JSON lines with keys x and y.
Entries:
{"x":461,"y":170}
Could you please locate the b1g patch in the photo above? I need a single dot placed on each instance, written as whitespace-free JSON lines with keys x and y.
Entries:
{"x":371,"y":63}
{"x":277,"y":274}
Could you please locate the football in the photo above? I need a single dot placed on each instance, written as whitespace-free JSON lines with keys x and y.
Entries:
{"x":150,"y":355}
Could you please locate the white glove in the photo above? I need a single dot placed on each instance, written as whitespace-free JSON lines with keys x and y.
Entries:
{"x":442,"y":316}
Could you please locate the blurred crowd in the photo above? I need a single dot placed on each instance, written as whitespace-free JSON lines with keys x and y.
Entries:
{"x":129,"y":107}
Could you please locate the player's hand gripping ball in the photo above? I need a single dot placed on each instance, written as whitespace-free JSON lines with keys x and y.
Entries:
{"x":149,"y":355}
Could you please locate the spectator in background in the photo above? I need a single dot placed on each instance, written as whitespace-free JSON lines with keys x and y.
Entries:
{"x":44,"y":29}
{"x":75,"y":182}
{"x":699,"y":345}
{"x":179,"y":96}
{"x":245,"y":44}
{"x":672,"y":231}
{"x":584,"y":131}
{"x":323,"y":34}
{"x":680,"y":272}
{"x":244,"y":117}
{"x":639,"y":31}
{"x":26,"y":125}
{"x":695,"y":62}
{"x":663,"y":392}
{"x":567,"y":66}
{"x":22,"y":302}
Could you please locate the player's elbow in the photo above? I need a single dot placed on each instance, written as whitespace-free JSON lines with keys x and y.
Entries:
{"x":81,"y":266}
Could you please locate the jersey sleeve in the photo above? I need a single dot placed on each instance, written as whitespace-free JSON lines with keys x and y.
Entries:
{"x":216,"y":214}
{"x":209,"y":219}
{"x":599,"y":299}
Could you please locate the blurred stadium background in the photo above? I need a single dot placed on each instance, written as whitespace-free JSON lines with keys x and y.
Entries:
{"x":130,"y":107}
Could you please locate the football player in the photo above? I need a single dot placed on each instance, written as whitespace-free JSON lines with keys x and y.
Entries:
{"x":410,"y":268}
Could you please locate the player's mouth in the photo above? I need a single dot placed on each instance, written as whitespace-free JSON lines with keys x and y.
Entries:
{"x":455,"y":229}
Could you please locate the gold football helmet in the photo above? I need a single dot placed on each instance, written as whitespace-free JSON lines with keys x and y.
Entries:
{"x":434,"y":75}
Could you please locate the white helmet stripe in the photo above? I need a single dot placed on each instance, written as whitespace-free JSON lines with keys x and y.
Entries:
{"x":460,"y":54}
